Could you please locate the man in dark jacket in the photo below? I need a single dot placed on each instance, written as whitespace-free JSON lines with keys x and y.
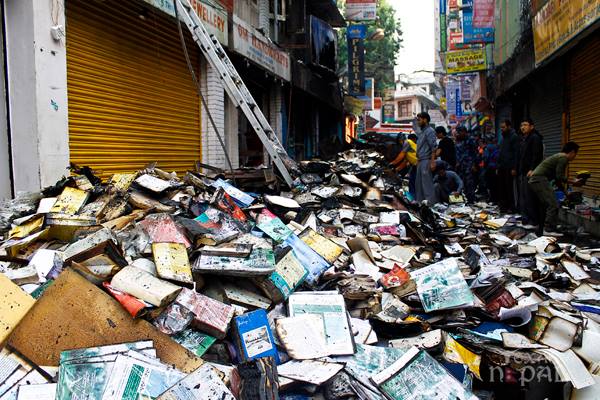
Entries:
{"x":445,"y":149}
{"x":531,"y":154}
{"x":507,"y":167}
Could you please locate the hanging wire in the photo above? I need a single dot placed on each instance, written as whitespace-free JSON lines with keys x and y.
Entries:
{"x":199,"y":90}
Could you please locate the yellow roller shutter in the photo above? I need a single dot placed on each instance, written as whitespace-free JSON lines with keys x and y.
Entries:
{"x":131,"y":96}
{"x":584,"y":109}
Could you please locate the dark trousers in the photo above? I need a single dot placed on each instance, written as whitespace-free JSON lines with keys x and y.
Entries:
{"x":491,"y":181}
{"x":528,"y":204}
{"x":412,"y":180}
{"x":506,"y":191}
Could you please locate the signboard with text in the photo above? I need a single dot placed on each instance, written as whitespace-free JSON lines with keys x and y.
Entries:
{"x":356,"y":66}
{"x":389,"y":112}
{"x":462,"y":92}
{"x":484,"y":13}
{"x":214,"y":19}
{"x":361,"y":10}
{"x":462,"y":31}
{"x":368,"y":97}
{"x":560,"y":21}
{"x":253,"y":45}
{"x":461,"y":61}
{"x":443,"y":27}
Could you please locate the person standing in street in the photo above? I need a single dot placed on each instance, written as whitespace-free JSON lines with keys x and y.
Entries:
{"x":412,"y":175}
{"x":466,"y":156}
{"x":507,"y":167}
{"x":490,"y":168}
{"x":446,"y":182}
{"x":552,"y":169}
{"x":531,"y":154}
{"x":426,"y":146}
{"x":445,"y":149}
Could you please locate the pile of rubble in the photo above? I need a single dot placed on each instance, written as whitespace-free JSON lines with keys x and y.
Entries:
{"x":154,"y":286}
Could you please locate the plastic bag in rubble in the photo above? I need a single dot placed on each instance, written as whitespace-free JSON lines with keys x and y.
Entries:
{"x":134,"y":240}
{"x":174,"y":319}
{"x":24,"y":204}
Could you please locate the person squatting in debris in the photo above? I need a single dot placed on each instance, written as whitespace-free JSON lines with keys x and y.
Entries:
{"x":426,"y":146}
{"x":466,"y":156}
{"x":446,"y":182}
{"x":552,"y":169}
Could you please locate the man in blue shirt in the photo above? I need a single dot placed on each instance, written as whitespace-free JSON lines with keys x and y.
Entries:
{"x":426,"y":147}
{"x":446,"y":182}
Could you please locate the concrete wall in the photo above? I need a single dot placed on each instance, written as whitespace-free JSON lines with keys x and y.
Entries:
{"x":5,"y":170}
{"x":214,"y":94}
{"x":37,"y":87}
{"x":508,"y":29}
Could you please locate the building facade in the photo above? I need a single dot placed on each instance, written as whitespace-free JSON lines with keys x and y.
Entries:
{"x":545,"y":69}
{"x":415,"y":94}
{"x":107,"y":84}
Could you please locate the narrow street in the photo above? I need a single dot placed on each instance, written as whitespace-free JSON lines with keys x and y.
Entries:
{"x":300,"y":200}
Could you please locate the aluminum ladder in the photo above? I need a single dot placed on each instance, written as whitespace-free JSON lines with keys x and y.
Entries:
{"x":236,"y":89}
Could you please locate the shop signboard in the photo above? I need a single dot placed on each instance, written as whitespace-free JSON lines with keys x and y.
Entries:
{"x":253,"y":45}
{"x":483,"y":13}
{"x":558,"y":22}
{"x":356,"y":64}
{"x":361,"y":10}
{"x":469,"y":60}
{"x":213,"y":18}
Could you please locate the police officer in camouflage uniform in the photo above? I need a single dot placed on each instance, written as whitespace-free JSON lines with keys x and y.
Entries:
{"x":466,"y":156}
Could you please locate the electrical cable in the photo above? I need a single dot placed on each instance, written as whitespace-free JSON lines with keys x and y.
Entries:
{"x":198,"y":88}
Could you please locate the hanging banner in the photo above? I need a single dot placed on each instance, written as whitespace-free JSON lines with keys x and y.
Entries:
{"x":356,"y":66}
{"x":462,"y":33}
{"x":470,"y":91}
{"x":443,"y":27}
{"x":471,"y":34}
{"x":560,"y":21}
{"x":453,"y":100}
{"x":250,"y":43}
{"x":466,"y":61}
{"x":214,"y":19}
{"x":483,"y":13}
{"x":361,"y":10}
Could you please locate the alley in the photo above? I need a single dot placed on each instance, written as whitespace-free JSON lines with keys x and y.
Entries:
{"x":300,"y":200}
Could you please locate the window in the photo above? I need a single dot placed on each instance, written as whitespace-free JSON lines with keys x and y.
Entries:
{"x":404,"y":109}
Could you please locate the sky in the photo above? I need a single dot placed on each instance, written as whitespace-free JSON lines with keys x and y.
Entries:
{"x":417,"y":22}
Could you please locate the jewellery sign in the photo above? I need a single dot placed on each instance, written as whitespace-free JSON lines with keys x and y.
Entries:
{"x":250,"y":43}
{"x":214,"y":19}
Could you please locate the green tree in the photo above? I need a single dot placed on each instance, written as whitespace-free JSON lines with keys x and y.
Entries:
{"x":380,"y":55}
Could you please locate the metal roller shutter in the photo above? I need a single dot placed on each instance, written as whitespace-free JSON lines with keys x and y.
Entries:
{"x":547,"y":107}
{"x":584,"y":109}
{"x":131,"y":97}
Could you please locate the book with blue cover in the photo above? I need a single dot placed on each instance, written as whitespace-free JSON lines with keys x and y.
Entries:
{"x":255,"y":337}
